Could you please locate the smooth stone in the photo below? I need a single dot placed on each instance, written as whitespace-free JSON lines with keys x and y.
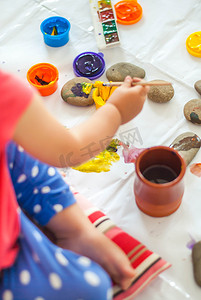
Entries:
{"x":72,"y":92}
{"x":197,"y":86}
{"x":187,"y":144}
{"x":119,"y":71}
{"x":192,"y":111}
{"x":160,"y":94}
{"x":196,"y":257}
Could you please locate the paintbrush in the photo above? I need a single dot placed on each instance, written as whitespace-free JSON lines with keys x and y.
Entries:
{"x":143,"y":83}
{"x":86,"y":86}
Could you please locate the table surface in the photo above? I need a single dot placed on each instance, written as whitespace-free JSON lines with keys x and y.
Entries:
{"x":157,"y":44}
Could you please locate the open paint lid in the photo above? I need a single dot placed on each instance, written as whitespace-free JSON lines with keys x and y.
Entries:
{"x":128,"y":12}
{"x":193,"y":44}
{"x":44,"y":77}
{"x":89,"y":64}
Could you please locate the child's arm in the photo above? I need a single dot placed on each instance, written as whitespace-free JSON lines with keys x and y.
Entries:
{"x":74,"y":231}
{"x":45,"y":138}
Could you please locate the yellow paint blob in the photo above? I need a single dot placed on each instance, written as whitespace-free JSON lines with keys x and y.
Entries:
{"x":100,"y":163}
{"x":100,"y":94}
{"x":87,"y":87}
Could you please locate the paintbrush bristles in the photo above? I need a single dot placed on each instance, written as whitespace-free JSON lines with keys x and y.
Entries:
{"x":148,"y":83}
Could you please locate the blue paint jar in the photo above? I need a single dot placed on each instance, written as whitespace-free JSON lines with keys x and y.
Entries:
{"x":55,"y":31}
{"x":89,"y":64}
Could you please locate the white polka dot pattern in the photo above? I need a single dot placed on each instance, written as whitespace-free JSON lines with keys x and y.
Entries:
{"x":51,"y":171}
{"x":37,"y":236}
{"x":61,"y":258}
{"x":45,"y":190}
{"x":25,"y":277}
{"x":11,"y":165}
{"x":35,"y":191}
{"x":19,"y":195}
{"x":20,"y":149}
{"x":92,"y":278}
{"x":34,"y":171}
{"x":7,"y":295}
{"x":21,"y":178}
{"x":58,"y":207}
{"x":55,"y":281}
{"x":54,"y":269}
{"x":84,"y":261}
{"x":37,"y":208}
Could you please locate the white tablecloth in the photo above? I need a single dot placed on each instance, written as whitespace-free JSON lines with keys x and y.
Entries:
{"x":157,"y":44}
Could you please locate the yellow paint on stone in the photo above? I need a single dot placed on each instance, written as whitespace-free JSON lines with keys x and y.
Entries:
{"x":100,"y":94}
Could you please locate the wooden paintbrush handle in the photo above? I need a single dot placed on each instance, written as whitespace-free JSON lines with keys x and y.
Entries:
{"x":154,"y":83}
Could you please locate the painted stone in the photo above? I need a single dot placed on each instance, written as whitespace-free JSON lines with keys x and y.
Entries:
{"x":161,"y":94}
{"x":119,"y":71}
{"x":72,"y":92}
{"x":187,"y":144}
{"x":192,"y":111}
{"x":196,"y":257}
{"x":197,"y":86}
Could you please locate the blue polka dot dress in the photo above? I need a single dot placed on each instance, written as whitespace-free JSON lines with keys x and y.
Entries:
{"x":40,"y":190}
{"x":43,"y":271}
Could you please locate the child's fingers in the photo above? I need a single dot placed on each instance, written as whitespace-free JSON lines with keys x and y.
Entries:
{"x":145,"y":88}
{"x":127,"y":81}
{"x":141,"y":88}
{"x":136,"y":79}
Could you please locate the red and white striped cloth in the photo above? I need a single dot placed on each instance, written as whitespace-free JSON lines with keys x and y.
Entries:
{"x":147,"y":264}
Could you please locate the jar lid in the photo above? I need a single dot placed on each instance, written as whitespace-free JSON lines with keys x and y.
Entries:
{"x":89,"y":64}
{"x":128,"y":12}
{"x":193,"y":44}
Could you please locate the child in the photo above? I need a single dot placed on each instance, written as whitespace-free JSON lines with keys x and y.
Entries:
{"x":32,"y":267}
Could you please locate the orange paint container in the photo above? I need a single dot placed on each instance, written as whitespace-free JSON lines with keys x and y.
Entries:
{"x":128,"y":12}
{"x":159,"y":181}
{"x":44,"y":77}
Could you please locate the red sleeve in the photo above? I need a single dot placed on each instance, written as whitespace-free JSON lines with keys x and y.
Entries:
{"x":15,"y":96}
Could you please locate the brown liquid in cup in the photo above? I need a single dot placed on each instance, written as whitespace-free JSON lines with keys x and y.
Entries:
{"x":159,"y":174}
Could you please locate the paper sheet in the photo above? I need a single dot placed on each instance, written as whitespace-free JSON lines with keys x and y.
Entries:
{"x":157,"y":44}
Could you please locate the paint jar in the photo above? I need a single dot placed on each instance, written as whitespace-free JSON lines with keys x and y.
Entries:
{"x":89,"y":64}
{"x":44,"y":77}
{"x":55,"y":31}
{"x":159,"y":181}
{"x":128,"y":12}
{"x":193,"y":44}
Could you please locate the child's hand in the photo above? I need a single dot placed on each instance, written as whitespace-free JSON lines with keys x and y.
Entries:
{"x":129,"y":100}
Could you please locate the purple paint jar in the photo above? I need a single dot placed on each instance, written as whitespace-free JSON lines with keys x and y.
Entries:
{"x":89,"y":64}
